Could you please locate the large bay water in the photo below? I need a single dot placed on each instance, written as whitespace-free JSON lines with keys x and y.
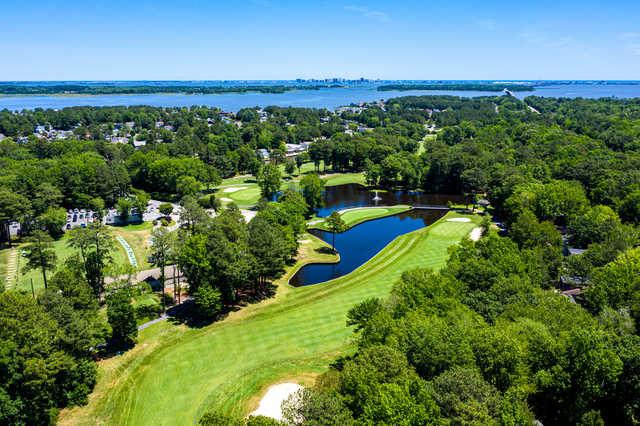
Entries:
{"x":362,"y":242}
{"x":329,"y":98}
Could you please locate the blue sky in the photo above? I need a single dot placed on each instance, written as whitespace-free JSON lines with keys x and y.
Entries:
{"x":271,"y":39}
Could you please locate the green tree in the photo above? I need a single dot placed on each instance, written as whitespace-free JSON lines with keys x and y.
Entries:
{"x":140,"y":201}
{"x":309,"y":407}
{"x":269,"y":180}
{"x":529,"y":233}
{"x":191,"y":213}
{"x":312,"y":188}
{"x":594,"y":226}
{"x":335,"y":224}
{"x":122,"y":318}
{"x":217,"y":419}
{"x":290,"y":166}
{"x":166,"y":209}
{"x":13,"y":207}
{"x":97,"y":205}
{"x":53,"y":220}
{"x":630,"y":208}
{"x":40,"y":254}
{"x":187,"y":185}
{"x":37,"y":376}
{"x":466,"y":398}
{"x":268,"y":244}
{"x":208,"y":301}
{"x":95,"y":244}
{"x":162,"y":250}
{"x":124,"y":206}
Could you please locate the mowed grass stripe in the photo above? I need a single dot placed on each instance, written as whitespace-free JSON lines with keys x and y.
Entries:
{"x":176,"y":373}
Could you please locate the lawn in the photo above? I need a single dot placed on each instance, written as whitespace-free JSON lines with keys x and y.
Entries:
{"x":176,"y":373}
{"x":245,"y":192}
{"x":136,"y":235}
{"x":334,"y":179}
{"x":356,"y":216}
{"x":23,"y":282}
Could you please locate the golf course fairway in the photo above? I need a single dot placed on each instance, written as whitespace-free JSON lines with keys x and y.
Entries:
{"x":176,"y":373}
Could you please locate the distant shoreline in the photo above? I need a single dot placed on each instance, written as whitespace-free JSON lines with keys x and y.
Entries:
{"x":79,"y":89}
{"x":491,"y":87}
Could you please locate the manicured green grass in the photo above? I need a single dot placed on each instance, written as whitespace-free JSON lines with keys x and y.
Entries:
{"x":175,"y":373}
{"x":343,"y":178}
{"x":136,"y":235}
{"x":23,"y":282}
{"x":245,"y":192}
{"x":353,"y":217}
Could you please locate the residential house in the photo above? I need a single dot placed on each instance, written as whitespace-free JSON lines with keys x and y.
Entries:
{"x":264,"y":153}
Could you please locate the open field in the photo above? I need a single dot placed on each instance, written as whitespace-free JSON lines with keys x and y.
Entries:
{"x":356,"y":216}
{"x":176,"y":373}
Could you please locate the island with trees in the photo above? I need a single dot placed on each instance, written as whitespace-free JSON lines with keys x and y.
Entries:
{"x":132,"y":89}
{"x":466,"y":86}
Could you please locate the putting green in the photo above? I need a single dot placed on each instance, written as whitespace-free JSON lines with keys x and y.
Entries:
{"x":245,"y":192}
{"x":175,"y":373}
{"x":353,"y":217}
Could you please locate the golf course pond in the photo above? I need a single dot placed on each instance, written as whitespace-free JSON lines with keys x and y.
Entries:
{"x":360,"y":243}
{"x":347,"y":196}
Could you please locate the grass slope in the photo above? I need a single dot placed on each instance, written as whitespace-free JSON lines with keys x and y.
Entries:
{"x":175,"y":373}
{"x":353,"y":217}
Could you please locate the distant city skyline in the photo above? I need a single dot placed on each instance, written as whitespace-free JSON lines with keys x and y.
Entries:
{"x":285,"y":40}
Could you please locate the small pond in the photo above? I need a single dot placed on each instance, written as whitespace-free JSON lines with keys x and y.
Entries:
{"x":362,"y":242}
{"x":353,"y":195}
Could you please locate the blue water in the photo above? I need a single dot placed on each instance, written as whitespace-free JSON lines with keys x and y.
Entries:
{"x":329,"y":98}
{"x":361,"y":243}
{"x":347,"y":196}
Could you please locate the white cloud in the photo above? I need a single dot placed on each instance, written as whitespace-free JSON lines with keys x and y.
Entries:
{"x":368,"y":13}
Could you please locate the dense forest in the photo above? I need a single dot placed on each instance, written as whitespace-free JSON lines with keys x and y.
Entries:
{"x":487,"y":340}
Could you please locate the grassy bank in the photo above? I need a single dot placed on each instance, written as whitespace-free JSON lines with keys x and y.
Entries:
{"x":176,"y":373}
{"x":356,"y":216}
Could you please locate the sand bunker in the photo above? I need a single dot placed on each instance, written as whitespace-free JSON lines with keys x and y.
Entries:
{"x":271,"y":402}
{"x":459,"y":219}
{"x":248,"y":215}
{"x":476,"y":233}
{"x":233,"y":189}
